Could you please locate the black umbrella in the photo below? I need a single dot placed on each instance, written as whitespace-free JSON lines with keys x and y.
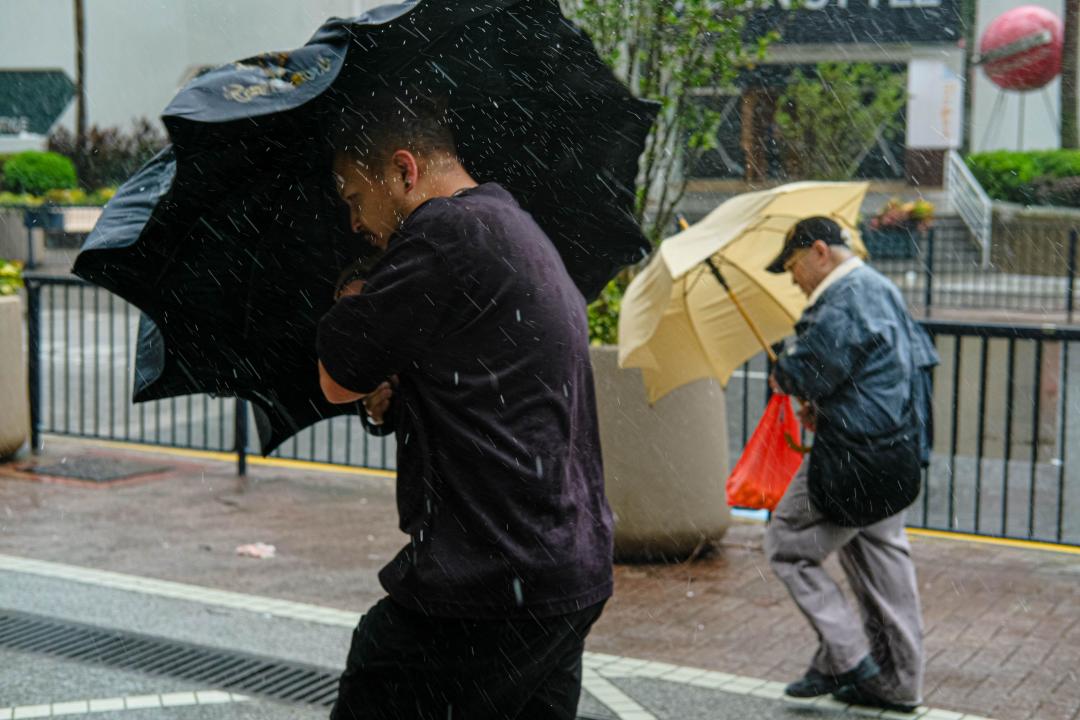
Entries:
{"x":230,"y":240}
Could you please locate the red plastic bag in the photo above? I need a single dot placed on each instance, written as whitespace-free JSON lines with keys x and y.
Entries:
{"x":769,"y":460}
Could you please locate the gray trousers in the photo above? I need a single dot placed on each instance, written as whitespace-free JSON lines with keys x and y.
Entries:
{"x":877,"y":562}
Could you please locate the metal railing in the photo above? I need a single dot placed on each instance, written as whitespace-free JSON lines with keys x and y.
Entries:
{"x":944,"y":271}
{"x":970,"y":201}
{"x":82,"y":343}
{"x":1004,"y":414}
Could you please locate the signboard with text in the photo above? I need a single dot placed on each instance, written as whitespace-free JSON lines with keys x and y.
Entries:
{"x":31,"y":101}
{"x":856,"y":21}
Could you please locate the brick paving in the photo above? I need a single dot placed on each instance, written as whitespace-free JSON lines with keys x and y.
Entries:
{"x":1002,"y":623}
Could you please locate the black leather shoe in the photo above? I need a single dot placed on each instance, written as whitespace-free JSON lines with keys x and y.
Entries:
{"x":814,"y":683}
{"x":856,"y":695}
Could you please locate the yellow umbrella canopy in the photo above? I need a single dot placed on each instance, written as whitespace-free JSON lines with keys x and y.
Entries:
{"x":678,"y":324}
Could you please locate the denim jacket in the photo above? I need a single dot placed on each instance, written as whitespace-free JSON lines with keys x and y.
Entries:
{"x":862,"y":360}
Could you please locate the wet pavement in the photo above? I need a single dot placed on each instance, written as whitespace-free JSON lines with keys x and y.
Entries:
{"x":715,"y":638}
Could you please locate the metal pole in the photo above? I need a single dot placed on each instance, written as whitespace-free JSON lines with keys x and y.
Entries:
{"x":241,"y":437}
{"x":33,"y":297}
{"x":1020,"y":125}
{"x":929,"y":284}
{"x":1071,"y":286}
{"x":31,"y":261}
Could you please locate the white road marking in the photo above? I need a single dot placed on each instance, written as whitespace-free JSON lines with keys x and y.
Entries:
{"x":598,"y":666}
{"x":115,"y":704}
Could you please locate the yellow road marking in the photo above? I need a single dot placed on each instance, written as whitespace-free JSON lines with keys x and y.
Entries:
{"x":349,"y":470}
{"x":231,"y":457}
{"x":1004,"y":542}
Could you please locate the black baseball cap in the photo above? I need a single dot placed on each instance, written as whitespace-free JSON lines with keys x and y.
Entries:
{"x":803,"y":234}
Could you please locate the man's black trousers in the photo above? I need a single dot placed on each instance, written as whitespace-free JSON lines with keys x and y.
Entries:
{"x":406,"y":666}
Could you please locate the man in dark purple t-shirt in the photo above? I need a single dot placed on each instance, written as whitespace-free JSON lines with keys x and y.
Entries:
{"x":500,"y":483}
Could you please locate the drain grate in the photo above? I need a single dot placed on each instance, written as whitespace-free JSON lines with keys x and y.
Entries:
{"x":219,"y":669}
{"x":210,"y":667}
{"x":92,"y":469}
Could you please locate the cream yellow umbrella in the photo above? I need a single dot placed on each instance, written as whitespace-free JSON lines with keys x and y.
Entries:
{"x":678,"y":322}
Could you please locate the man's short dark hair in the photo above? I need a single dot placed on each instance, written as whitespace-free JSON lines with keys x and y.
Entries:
{"x":392,"y":122}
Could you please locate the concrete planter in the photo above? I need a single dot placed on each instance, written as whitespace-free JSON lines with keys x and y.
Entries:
{"x":664,"y":466}
{"x":14,"y":401}
{"x":1032,"y":240}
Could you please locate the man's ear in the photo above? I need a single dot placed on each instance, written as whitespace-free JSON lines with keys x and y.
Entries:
{"x":407,"y":168}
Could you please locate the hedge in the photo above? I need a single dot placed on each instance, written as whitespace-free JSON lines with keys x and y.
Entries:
{"x":38,"y":172}
{"x":1040,"y":177}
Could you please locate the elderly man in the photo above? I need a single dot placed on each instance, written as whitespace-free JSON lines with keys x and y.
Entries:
{"x":861,"y":366}
{"x":470,"y":337}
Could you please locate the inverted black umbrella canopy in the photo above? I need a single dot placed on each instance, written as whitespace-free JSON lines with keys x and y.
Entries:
{"x":230,"y":240}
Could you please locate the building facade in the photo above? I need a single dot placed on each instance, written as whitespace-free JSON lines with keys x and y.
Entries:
{"x":139,"y":52}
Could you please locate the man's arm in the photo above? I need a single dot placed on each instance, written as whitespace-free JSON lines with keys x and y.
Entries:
{"x":367,"y":338}
{"x":824,"y":355}
{"x":334,"y":392}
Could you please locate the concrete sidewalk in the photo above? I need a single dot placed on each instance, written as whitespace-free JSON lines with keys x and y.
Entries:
{"x":1003,"y":622}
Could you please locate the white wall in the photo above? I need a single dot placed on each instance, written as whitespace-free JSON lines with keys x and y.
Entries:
{"x":138,"y":51}
{"x":999,"y":130}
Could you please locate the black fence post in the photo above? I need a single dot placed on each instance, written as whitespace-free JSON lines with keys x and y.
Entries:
{"x":33,"y":327}
{"x":929,"y":285}
{"x":1071,"y":285}
{"x":30,"y":221}
{"x":241,"y":437}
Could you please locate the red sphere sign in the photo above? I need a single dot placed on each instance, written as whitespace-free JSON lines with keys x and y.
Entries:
{"x":1021,"y":49}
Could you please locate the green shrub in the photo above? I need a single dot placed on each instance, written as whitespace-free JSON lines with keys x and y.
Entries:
{"x":3,"y":160}
{"x":1033,"y":177}
{"x":10,"y":276}
{"x":9,"y":199}
{"x":38,"y":172}
{"x":71,"y":196}
{"x":604,"y":313}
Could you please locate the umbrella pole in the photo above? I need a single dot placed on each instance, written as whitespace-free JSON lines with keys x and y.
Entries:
{"x":742,"y":311}
{"x":683,"y":225}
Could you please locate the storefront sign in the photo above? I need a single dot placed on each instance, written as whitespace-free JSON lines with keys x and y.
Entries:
{"x":32,"y":100}
{"x":935,"y":106}
{"x":856,"y":21}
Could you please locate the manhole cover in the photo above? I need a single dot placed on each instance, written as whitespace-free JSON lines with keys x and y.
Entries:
{"x":94,"y":469}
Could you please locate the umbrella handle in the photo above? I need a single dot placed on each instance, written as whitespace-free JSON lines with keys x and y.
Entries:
{"x":683,"y":224}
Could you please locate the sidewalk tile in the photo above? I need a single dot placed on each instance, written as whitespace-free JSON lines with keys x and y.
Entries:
{"x":178,"y":699}
{"x":139,"y":702}
{"x":212,"y":697}
{"x":894,"y":715}
{"x":32,"y":711}
{"x":79,"y":707}
{"x":106,"y":705}
{"x":939,"y":714}
{"x":828,"y":703}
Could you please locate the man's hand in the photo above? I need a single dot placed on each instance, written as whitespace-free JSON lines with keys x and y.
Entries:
{"x":354,"y":287}
{"x":807,"y":415}
{"x":377,"y":401}
{"x":774,"y":385}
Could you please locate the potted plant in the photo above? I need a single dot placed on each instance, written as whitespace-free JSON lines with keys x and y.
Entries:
{"x":665,"y":464}
{"x":14,"y":403}
{"x":890,"y":235}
